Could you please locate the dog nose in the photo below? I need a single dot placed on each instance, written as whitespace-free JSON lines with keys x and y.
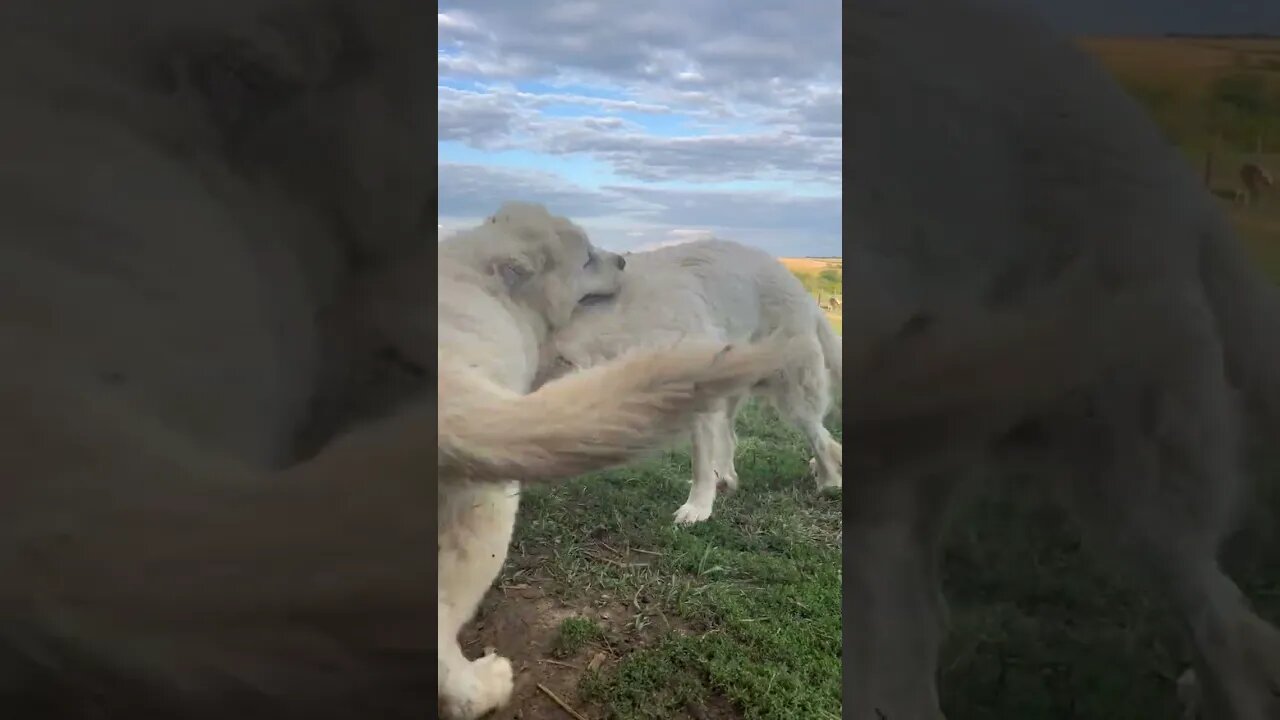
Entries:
{"x":622,"y":262}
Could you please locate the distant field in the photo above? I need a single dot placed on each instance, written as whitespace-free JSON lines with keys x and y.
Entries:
{"x":824,"y":278}
{"x":812,"y":264}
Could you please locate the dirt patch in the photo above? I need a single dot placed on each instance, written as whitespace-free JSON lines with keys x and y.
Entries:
{"x":716,"y":708}
{"x":522,"y":622}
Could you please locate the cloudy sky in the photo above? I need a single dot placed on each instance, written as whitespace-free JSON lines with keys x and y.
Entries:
{"x":649,"y":122}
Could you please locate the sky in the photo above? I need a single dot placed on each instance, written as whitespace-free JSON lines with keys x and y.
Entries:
{"x":646,"y":123}
{"x":663,"y":121}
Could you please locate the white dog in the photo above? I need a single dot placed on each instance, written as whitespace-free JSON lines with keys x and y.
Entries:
{"x":731,"y":293}
{"x":1058,"y":283}
{"x":504,"y":287}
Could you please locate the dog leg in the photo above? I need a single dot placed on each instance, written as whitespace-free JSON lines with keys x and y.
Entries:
{"x":727,"y":445}
{"x":469,"y":689}
{"x":892,"y":597}
{"x":735,"y":404}
{"x":803,"y":396}
{"x":475,"y":525}
{"x":1161,"y":492}
{"x":828,"y":454}
{"x":702,"y":495}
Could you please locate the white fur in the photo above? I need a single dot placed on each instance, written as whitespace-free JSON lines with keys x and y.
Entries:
{"x":504,"y":287}
{"x":731,"y":293}
{"x":1058,"y":284}
{"x":501,"y":286}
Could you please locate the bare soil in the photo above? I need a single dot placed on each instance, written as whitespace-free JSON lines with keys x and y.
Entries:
{"x":523,"y":626}
{"x":522,"y":622}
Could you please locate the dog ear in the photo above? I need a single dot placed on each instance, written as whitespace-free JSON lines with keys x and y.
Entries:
{"x":567,"y":231}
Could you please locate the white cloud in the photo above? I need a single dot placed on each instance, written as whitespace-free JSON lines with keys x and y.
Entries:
{"x":454,"y":22}
{"x":647,"y":119}
{"x":728,"y":44}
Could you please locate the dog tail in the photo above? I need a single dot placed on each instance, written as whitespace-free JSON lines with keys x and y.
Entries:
{"x":832,"y":352}
{"x":593,"y":419}
{"x":1246,"y":305}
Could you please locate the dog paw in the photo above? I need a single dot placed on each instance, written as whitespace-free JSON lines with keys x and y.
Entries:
{"x":689,"y":513}
{"x":488,"y":687}
{"x":826,"y":484}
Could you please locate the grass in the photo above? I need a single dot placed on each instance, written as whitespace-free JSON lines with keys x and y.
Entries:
{"x":738,"y":616}
{"x":575,"y":634}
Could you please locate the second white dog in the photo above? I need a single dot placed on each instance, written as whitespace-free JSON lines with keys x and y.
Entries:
{"x":730,"y":293}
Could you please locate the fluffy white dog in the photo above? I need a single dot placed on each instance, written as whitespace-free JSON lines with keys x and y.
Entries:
{"x":731,"y":293}
{"x":504,"y":287}
{"x":1058,"y":282}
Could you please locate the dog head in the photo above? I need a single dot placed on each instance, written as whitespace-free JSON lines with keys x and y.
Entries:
{"x":548,"y":262}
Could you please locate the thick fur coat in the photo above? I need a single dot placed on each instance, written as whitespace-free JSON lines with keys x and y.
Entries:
{"x":718,"y":290}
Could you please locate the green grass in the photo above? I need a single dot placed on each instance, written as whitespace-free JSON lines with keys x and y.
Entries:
{"x":738,"y":615}
{"x":825,"y":283}
{"x":575,"y":634}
